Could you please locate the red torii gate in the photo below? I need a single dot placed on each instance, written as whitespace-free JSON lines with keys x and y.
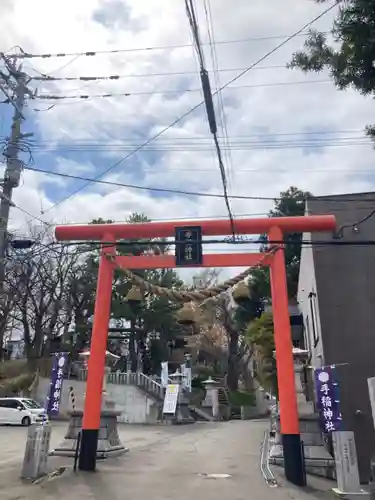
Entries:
{"x":275,"y":229}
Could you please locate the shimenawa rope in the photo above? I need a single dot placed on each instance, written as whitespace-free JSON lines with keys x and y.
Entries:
{"x":198,"y":295}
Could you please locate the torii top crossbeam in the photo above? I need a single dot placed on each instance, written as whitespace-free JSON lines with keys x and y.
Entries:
{"x":316,"y":223}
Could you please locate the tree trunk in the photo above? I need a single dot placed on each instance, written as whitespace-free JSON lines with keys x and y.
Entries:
{"x":132,"y":348}
{"x":246,"y":375}
{"x":3,"y":325}
{"x":232,"y":378}
{"x":32,"y":358}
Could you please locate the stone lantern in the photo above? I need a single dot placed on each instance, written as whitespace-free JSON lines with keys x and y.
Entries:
{"x":211,"y":400}
{"x":110,"y":359}
{"x":182,"y":414}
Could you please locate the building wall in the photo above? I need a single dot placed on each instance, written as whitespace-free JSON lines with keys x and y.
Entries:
{"x":346,"y":292}
{"x":136,"y":407}
{"x":309,"y":307}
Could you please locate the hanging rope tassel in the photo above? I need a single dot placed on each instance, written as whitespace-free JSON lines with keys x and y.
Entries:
{"x":72,"y":398}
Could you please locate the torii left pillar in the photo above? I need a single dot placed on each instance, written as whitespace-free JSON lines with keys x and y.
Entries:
{"x":96,"y":363}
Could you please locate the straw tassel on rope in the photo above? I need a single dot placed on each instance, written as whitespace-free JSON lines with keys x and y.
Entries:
{"x":72,"y":398}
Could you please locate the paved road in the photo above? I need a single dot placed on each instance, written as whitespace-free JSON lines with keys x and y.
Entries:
{"x":164,"y":463}
{"x":13,"y":440}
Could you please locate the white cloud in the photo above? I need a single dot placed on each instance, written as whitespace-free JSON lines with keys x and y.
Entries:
{"x":70,"y":26}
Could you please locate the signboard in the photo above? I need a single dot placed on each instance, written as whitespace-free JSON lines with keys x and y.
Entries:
{"x":346,"y":462}
{"x":189,"y":250}
{"x":164,"y":374}
{"x":120,"y":323}
{"x":170,"y":399}
{"x":57,"y":378}
{"x":186,"y":381}
{"x":328,"y":402}
{"x":188,"y":378}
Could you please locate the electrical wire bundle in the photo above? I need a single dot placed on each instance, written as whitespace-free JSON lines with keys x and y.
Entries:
{"x":209,"y":104}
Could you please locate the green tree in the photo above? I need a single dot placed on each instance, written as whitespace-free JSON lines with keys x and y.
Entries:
{"x":260,"y":334}
{"x":349,"y":54}
{"x":291,"y":203}
{"x":154,"y":314}
{"x":81,"y":291}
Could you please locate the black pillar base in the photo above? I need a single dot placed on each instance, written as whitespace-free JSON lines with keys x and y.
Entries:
{"x":87,"y":453}
{"x":294,"y":460}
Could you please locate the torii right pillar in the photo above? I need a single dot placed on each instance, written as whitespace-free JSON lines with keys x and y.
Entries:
{"x":294,"y":463}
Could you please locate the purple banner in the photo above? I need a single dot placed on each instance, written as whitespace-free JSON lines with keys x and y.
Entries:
{"x":328,"y":398}
{"x":57,"y":378}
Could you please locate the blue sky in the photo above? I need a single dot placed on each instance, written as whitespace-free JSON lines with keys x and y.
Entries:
{"x":255,"y":114}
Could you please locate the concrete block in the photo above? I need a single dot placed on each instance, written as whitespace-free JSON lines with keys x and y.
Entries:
{"x":109,"y":443}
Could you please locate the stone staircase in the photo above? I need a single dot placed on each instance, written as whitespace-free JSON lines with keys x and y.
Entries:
{"x":223,"y":397}
{"x":140,"y":380}
{"x":145,"y":383}
{"x":200,"y":415}
{"x":227,"y":410}
{"x":224,"y":406}
{"x":235,"y":413}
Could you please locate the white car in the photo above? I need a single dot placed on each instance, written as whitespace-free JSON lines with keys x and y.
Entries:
{"x":21,"y":411}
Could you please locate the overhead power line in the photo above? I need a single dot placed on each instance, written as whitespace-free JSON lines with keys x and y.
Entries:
{"x":226,"y":241}
{"x":187,"y":218}
{"x":198,"y":138}
{"x":58,"y":97}
{"x":241,"y":146}
{"x":203,"y":218}
{"x":233,"y":145}
{"x":222,"y":216}
{"x":197,"y":106}
{"x":182,"y":192}
{"x":142,"y":188}
{"x":92,"y":53}
{"x":48,"y":78}
{"x":255,"y":137}
{"x":26,"y":212}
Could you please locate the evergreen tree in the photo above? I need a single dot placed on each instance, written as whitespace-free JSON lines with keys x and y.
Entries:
{"x":291,"y":203}
{"x":348,"y":53}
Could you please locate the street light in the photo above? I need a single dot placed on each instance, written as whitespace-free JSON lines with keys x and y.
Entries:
{"x":22,"y":244}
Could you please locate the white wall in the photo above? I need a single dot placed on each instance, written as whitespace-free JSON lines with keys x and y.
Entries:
{"x":307,"y":284}
{"x":136,"y":407}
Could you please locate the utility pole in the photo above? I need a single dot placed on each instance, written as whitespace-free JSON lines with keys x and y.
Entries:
{"x":14,"y":86}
